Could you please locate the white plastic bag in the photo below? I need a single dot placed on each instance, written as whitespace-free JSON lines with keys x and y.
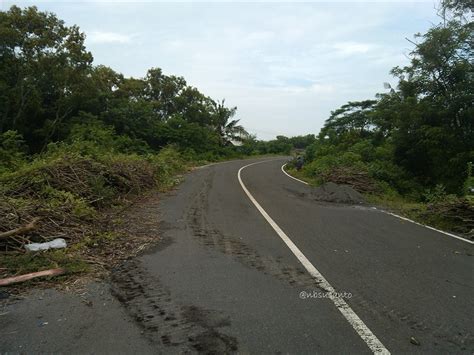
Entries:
{"x":57,"y":243}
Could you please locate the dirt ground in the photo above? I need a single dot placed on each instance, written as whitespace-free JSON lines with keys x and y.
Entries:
{"x":331,"y":192}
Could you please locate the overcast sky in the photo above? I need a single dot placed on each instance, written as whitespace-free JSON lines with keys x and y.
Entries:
{"x":284,"y":65}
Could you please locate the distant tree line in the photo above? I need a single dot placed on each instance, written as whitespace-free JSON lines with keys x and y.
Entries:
{"x":279,"y":145}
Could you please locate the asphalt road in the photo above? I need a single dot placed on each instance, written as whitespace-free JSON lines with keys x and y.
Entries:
{"x":224,"y":280}
{"x":251,"y":265}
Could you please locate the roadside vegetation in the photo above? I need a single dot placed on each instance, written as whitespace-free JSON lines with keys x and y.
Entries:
{"x":411,"y":148}
{"x":78,"y":141}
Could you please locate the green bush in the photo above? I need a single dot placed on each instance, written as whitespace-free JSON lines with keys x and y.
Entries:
{"x":12,"y":151}
{"x":469,"y":183}
{"x":364,"y":149}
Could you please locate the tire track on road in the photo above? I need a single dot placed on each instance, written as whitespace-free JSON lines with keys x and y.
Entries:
{"x":233,"y":246}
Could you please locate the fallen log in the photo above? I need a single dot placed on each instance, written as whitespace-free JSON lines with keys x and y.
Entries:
{"x":20,"y":230}
{"x":25,"y":277}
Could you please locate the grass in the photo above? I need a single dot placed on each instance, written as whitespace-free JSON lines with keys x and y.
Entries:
{"x":44,"y":260}
{"x":300,"y":175}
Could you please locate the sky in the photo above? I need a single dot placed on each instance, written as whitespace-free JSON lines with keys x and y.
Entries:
{"x":285,"y":65}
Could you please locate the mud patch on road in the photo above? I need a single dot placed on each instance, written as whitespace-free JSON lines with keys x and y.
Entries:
{"x":451,"y":336}
{"x":164,"y":322}
{"x":211,"y":237}
{"x":330,"y":193}
{"x":210,"y":339}
{"x":219,"y":343}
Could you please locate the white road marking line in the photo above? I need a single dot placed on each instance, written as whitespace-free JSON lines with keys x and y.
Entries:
{"x":398,"y":216}
{"x":283,"y":169}
{"x":359,"y":326}
{"x":426,"y":226}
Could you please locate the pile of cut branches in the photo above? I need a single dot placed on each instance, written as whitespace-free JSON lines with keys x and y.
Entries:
{"x":458,"y":213}
{"x":358,"y":180}
{"x":60,"y":198}
{"x":24,"y":221}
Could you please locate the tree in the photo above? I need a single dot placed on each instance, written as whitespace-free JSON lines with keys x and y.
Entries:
{"x":351,"y":117}
{"x":194,"y":106}
{"x":301,"y":142}
{"x":51,"y":92}
{"x":162,"y":91}
{"x":228,"y":130}
{"x":460,"y":9}
{"x":43,"y":68}
{"x":435,"y":138}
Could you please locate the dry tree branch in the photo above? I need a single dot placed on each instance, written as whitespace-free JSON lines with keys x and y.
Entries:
{"x":20,"y":230}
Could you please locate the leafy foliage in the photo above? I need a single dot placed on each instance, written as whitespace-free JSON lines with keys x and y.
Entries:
{"x":49,"y":87}
{"x":12,"y":151}
{"x":418,"y":138}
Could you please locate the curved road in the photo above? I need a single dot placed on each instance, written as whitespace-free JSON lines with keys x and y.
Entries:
{"x":249,"y":264}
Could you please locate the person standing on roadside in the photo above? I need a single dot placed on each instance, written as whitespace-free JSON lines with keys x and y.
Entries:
{"x":299,"y":163}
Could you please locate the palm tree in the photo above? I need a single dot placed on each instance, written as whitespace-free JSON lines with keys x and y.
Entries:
{"x":228,"y":130}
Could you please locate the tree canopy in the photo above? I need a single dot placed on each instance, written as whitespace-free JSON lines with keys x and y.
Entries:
{"x":423,"y":130}
{"x":48,"y":85}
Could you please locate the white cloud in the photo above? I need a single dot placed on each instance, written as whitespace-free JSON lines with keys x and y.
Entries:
{"x":107,"y":37}
{"x":323,"y":88}
{"x":349,"y":48}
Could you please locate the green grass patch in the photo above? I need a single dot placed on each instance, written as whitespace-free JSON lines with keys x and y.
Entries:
{"x":43,"y":260}
{"x":302,"y":176}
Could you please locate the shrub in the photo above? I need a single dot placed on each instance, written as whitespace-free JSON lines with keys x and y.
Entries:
{"x":469,"y":183}
{"x":12,"y":151}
